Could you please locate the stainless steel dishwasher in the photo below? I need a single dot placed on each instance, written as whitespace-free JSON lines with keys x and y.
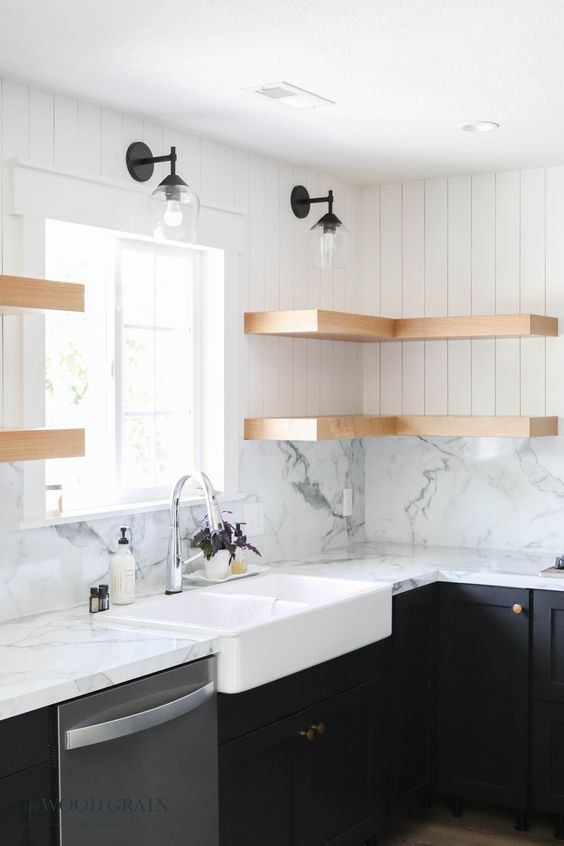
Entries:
{"x":137,"y":764}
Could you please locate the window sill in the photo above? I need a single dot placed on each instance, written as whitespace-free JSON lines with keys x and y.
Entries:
{"x":122,"y":508}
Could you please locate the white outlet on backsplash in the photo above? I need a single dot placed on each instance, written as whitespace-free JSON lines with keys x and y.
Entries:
{"x":253,"y":515}
{"x":347,"y":502}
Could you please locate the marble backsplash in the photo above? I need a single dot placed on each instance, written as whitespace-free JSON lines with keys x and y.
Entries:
{"x":299,"y":485}
{"x":479,"y":493}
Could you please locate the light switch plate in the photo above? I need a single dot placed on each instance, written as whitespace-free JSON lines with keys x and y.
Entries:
{"x":347,"y":502}
{"x":253,"y":515}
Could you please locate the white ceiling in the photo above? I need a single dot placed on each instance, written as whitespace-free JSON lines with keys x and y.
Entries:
{"x":405,"y":74}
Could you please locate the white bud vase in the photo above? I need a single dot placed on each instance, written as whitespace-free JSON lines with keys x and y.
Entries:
{"x":218,"y":565}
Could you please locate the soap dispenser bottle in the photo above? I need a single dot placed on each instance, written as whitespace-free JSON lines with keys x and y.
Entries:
{"x":239,"y":563}
{"x":123,"y":572}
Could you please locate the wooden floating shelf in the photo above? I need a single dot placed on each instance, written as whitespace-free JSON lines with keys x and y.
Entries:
{"x":21,"y":295}
{"x":367,"y":426}
{"x":341,"y":326}
{"x":36,"y":444}
{"x":317,"y":323}
{"x":318,"y":428}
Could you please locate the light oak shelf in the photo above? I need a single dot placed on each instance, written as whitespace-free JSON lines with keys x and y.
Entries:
{"x":36,"y":444}
{"x":324,"y":325}
{"x":22,"y":295}
{"x":367,"y":426}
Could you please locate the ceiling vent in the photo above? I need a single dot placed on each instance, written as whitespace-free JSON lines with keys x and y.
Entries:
{"x":290,"y":95}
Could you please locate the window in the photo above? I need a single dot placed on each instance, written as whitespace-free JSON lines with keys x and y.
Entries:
{"x":126,"y":370}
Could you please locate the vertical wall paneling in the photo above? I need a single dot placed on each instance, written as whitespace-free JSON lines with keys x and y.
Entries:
{"x":533,"y":290}
{"x":555,"y":288}
{"x":1,"y":252}
{"x":89,"y":138}
{"x":370,"y":280}
{"x":507,"y":289}
{"x":285,"y":284}
{"x":313,"y":294}
{"x":353,"y":298}
{"x":66,"y":131}
{"x":436,"y":293}
{"x":192,"y":164}
{"x":302,"y":261}
{"x":391,"y":259}
{"x":15,"y":144}
{"x":242,"y":200}
{"x":256,"y":279}
{"x":113,"y":147}
{"x":459,"y":291}
{"x":217,"y":173}
{"x":271,"y":212}
{"x":413,"y":294}
{"x":488,"y":244}
{"x":41,"y":124}
{"x":483,"y":290}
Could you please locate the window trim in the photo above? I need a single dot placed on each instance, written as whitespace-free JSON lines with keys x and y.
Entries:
{"x":23,"y":365}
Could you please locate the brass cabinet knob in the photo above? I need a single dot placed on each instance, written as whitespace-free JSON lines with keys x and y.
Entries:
{"x":309,"y":733}
{"x":319,"y":728}
{"x":517,"y":609}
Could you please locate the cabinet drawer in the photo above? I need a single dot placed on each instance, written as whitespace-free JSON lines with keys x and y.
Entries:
{"x":24,"y":741}
{"x":548,"y":645}
{"x":547,"y":771}
{"x":242,"y":713}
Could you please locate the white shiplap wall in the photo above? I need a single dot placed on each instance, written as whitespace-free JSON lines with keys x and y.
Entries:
{"x":277,"y":377}
{"x":485,"y":244}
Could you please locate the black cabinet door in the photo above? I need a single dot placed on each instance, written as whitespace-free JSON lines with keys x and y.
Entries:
{"x":547,"y":771}
{"x":26,"y":814}
{"x":483,"y":694}
{"x":548,"y":645}
{"x":257,"y":786}
{"x":414,"y":695}
{"x":340,"y":773}
{"x":313,"y":779}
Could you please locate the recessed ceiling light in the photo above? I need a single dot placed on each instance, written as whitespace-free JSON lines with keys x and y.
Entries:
{"x":480,"y":126}
{"x":290,"y":95}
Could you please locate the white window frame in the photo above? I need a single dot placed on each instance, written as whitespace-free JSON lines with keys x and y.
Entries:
{"x":40,"y":192}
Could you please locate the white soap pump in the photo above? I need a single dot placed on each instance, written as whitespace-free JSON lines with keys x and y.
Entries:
{"x":123,"y":572}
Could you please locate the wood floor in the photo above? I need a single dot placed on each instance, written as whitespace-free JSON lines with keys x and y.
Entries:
{"x":478,"y":826}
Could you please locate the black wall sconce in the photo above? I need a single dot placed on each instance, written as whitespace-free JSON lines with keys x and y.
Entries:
{"x":329,"y":233}
{"x":174,"y":207}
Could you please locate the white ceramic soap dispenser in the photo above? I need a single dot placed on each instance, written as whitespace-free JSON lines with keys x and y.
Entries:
{"x":123,"y":572}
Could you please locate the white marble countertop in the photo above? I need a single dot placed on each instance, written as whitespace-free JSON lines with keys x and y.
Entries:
{"x":408,"y":567}
{"x":51,"y":657}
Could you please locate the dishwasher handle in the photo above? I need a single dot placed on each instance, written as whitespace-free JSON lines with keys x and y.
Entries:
{"x":113,"y":729}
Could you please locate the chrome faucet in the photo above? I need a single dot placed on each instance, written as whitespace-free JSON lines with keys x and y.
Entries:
{"x":175,"y":563}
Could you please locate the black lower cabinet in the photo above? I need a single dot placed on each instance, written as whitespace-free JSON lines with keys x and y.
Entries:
{"x":256,"y":787}
{"x":318,"y":773}
{"x":413,"y":696}
{"x":26,"y":817}
{"x":547,"y":739}
{"x":547,"y":771}
{"x":315,"y":778}
{"x":483,"y":694}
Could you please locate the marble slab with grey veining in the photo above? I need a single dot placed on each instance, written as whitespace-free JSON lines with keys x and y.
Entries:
{"x":51,"y":657}
{"x":408,"y":567}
